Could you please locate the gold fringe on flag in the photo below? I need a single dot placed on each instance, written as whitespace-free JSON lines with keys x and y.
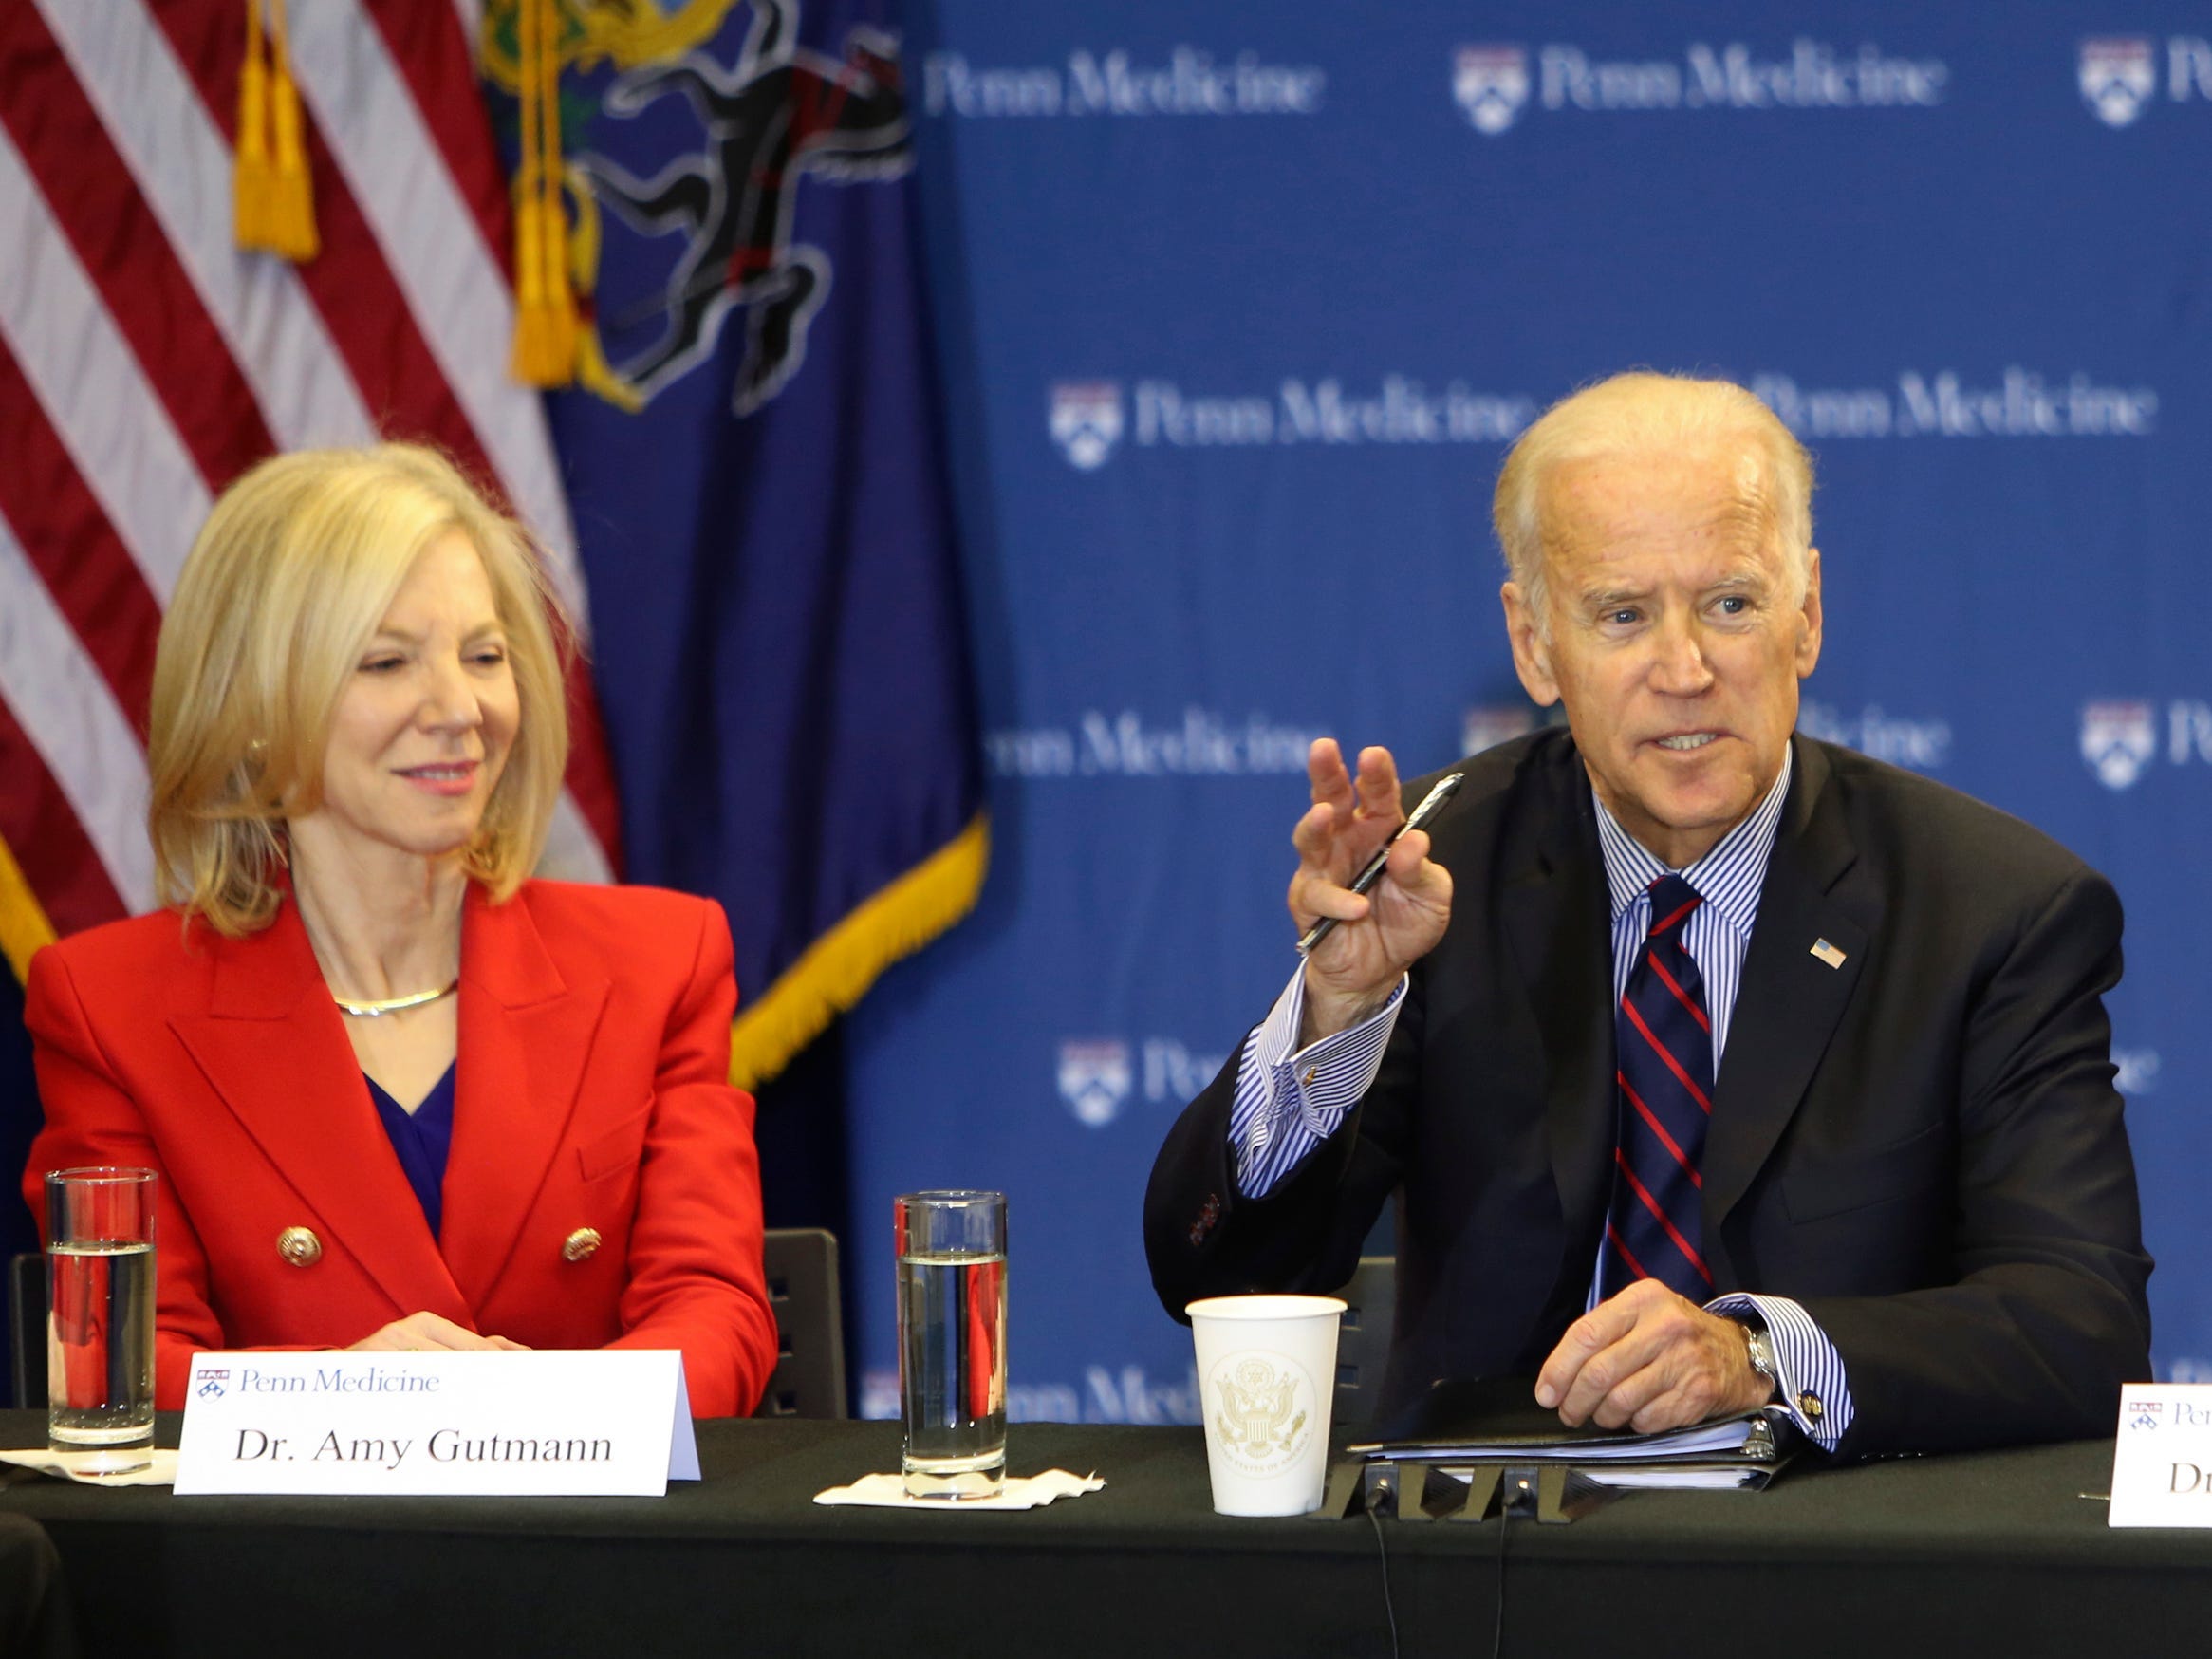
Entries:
{"x":593,"y":373}
{"x":840,"y":966}
{"x":24,"y":926}
{"x":545,"y":309}
{"x":273,"y":196}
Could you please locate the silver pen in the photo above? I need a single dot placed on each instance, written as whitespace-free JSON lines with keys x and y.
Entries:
{"x":1371,"y":872}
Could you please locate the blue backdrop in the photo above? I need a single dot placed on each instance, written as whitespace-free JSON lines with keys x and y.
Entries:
{"x":1237,"y":305}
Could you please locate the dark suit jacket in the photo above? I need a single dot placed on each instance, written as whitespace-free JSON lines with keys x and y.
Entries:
{"x":1922,"y":1146}
{"x":592,"y":1091}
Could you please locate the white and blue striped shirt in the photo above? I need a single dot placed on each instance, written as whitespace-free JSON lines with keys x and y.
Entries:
{"x":1288,"y":1103}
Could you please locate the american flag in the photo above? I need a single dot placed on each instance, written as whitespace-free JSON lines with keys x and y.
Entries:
{"x":145,"y":362}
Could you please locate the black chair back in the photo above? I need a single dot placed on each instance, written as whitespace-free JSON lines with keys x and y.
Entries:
{"x":802,"y":1288}
{"x":27,"y":1328}
{"x":1362,"y":1341}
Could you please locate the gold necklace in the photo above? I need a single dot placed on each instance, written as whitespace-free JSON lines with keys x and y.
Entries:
{"x":391,"y":1005}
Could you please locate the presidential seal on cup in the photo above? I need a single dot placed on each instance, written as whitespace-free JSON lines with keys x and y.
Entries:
{"x":1267,"y":1371}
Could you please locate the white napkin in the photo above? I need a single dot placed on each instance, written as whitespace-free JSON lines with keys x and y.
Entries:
{"x":68,"y":1466}
{"x":1022,"y":1491}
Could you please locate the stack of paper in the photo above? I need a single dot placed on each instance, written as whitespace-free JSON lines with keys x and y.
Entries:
{"x":1496,"y":1421}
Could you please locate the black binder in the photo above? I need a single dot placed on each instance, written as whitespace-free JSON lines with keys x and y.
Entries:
{"x":1474,"y":1422}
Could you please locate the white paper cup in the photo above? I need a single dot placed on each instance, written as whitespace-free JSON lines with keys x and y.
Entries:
{"x":1267,"y":1371}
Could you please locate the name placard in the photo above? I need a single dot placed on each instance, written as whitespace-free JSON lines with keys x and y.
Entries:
{"x":600,"y":1423}
{"x":2162,"y":1457}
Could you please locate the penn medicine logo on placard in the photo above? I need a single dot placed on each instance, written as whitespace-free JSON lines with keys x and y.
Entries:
{"x":2118,"y":77}
{"x":1491,"y":83}
{"x":1087,"y":420}
{"x":1094,"y":1080}
{"x":1263,"y":1410}
{"x":2118,"y":740}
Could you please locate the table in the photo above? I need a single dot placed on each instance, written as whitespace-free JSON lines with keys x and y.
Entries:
{"x":1983,"y":1553}
{"x":34,"y":1598}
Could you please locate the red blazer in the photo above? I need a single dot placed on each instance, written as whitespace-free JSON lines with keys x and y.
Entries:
{"x":592,"y":1092}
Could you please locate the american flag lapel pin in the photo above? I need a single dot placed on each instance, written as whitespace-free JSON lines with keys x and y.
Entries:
{"x":1828,"y":952}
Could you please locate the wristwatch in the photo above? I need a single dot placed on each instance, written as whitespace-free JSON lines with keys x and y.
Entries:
{"x":1762,"y":1355}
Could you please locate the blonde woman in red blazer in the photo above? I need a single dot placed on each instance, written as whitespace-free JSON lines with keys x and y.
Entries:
{"x":356,"y":744}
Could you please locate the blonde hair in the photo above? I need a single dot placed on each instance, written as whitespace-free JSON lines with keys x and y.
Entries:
{"x":288,"y":579}
{"x":1641,"y":413}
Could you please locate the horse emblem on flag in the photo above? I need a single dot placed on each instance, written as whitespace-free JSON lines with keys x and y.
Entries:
{"x":779,"y":114}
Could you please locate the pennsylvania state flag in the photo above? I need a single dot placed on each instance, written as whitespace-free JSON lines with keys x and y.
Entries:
{"x":754,"y":469}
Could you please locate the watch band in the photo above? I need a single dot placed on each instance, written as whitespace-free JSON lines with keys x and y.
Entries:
{"x":1761,"y":1349}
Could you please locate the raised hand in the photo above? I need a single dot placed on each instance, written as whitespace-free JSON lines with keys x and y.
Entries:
{"x":1378,"y":935}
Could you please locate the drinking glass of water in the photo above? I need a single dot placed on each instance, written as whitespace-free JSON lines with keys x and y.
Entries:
{"x":951,"y":1342}
{"x":100,"y":1318}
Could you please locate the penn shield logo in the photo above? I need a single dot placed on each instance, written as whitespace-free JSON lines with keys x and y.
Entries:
{"x":2135,"y":1072}
{"x":1094,"y":1080}
{"x":1087,"y":421}
{"x":1488,"y":725}
{"x":1491,"y":83}
{"x":2118,"y":740}
{"x":2117,"y":78}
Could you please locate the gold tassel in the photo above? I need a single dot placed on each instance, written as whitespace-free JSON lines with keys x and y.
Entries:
{"x":272,"y":205}
{"x":544,"y":309}
{"x":250,"y":173}
{"x":553,"y":248}
{"x":291,"y":197}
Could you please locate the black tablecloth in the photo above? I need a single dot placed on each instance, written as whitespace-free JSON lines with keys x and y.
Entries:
{"x":34,"y":1600}
{"x":1983,"y":1552}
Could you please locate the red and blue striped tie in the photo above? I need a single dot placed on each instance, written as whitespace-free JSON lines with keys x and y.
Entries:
{"x":1663,"y":1044}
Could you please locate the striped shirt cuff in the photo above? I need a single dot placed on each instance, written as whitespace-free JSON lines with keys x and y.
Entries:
{"x":1286,"y":1104}
{"x":1809,"y":1373}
